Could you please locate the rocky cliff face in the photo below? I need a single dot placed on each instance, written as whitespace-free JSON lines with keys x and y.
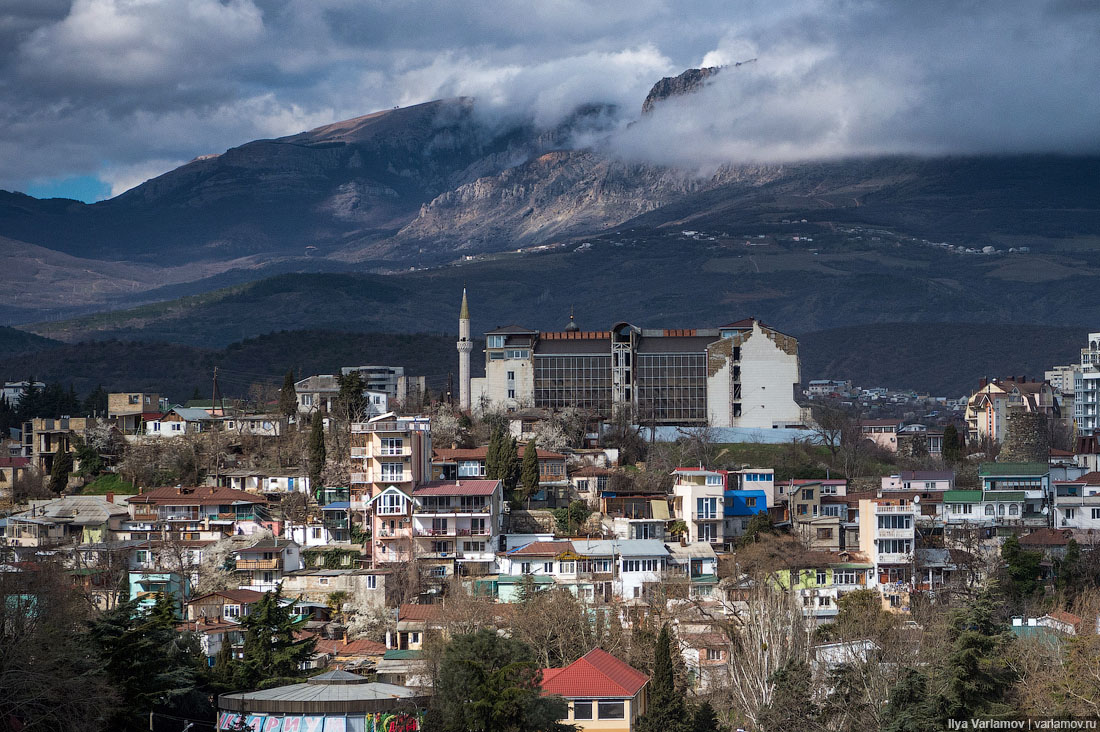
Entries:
{"x":672,"y":86}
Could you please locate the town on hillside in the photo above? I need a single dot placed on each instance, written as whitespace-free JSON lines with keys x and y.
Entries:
{"x":617,"y":528}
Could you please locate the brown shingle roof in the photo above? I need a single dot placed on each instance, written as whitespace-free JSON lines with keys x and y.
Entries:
{"x":457,"y":488}
{"x":542,"y":549}
{"x":195,"y":495}
{"x":419,"y":612}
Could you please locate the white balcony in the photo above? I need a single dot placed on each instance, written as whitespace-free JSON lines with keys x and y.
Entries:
{"x":405,"y":477}
{"x":879,"y":508}
{"x":891,"y":558}
{"x":360,"y":478}
{"x":388,"y":452}
{"x":893,"y":533}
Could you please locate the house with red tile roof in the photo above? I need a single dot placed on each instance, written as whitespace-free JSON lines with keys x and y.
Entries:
{"x":603,"y":692}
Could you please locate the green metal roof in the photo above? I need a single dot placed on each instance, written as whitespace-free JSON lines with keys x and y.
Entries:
{"x":395,"y":654}
{"x":1009,"y":469}
{"x":1008,"y":496}
{"x":962,"y":496}
{"x":705,"y":578}
{"x":852,"y":565}
{"x":538,"y":579}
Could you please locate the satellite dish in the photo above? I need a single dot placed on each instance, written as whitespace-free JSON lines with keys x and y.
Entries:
{"x":916,"y":499}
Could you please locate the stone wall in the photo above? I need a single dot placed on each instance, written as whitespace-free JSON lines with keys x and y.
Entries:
{"x":1027,"y":439}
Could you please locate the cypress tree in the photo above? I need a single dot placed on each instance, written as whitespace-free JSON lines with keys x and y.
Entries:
{"x":667,"y":711}
{"x":952,"y":446}
{"x":60,"y":469}
{"x":316,"y":450}
{"x":705,"y":719}
{"x":792,"y":706}
{"x":509,"y":462}
{"x":529,"y":472}
{"x":288,"y":398}
{"x":492,"y":455}
{"x":1069,"y":571}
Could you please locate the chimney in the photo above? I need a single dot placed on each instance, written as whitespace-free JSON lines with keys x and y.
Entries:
{"x":179,"y":489}
{"x":110,"y":497}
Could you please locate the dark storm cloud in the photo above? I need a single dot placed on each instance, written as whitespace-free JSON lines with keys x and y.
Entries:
{"x":125,"y":89}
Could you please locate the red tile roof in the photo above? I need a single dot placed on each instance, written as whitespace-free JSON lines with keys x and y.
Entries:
{"x":457,"y":488}
{"x":1047,"y":537}
{"x":1065,"y":617}
{"x":1055,"y":452}
{"x":360,"y":647}
{"x":194,"y":495}
{"x":1092,"y":478}
{"x":542,"y":549}
{"x":418,"y":612}
{"x":597,"y":674}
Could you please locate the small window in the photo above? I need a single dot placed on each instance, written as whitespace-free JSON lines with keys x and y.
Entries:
{"x":548,"y":567}
{"x":822,"y":577}
{"x":612,"y":709}
{"x":372,"y":582}
{"x":582,"y":709}
{"x":714,"y":654}
{"x":495,"y":341}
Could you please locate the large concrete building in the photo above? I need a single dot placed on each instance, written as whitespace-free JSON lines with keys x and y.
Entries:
{"x":743,"y":374}
{"x":1086,"y":390}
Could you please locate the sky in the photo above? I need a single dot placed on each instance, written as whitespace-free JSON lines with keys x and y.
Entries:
{"x":97,"y":96}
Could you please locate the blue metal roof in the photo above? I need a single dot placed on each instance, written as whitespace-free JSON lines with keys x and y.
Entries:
{"x":336,"y":506}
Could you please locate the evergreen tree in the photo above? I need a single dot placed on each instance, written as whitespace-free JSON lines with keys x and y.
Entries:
{"x":792,"y":705}
{"x":288,"y":397}
{"x":759,"y":525}
{"x":271,"y":652}
{"x":1070,"y":574}
{"x":667,"y":711}
{"x":96,"y":403}
{"x":1022,"y":568}
{"x":141,"y":653}
{"x":30,"y":401}
{"x":493,"y":455}
{"x":952,"y":449}
{"x":489,"y":683}
{"x":350,"y":401}
{"x":910,"y":707}
{"x":509,"y":469}
{"x":976,"y":672}
{"x":317,"y":454}
{"x":196,"y":395}
{"x":529,"y":471}
{"x":59,"y":470}
{"x":705,"y":719}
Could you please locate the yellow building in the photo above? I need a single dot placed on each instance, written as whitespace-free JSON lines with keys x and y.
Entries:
{"x":603,"y":692}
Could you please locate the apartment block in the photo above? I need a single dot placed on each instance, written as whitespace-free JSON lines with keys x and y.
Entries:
{"x":388,"y":451}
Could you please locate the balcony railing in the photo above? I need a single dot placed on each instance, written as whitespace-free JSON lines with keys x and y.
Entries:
{"x":894,"y":533}
{"x":389,"y":426}
{"x":454,"y":509}
{"x":246,"y":564}
{"x":879,"y":508}
{"x":146,"y":516}
{"x":893,"y":558}
{"x":360,"y":478}
{"x":393,"y":452}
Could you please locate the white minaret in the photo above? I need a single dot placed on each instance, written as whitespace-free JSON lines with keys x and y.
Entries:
{"x":465,"y":345}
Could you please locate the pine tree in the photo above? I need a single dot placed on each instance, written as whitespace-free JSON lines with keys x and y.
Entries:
{"x":288,"y":397}
{"x":976,"y":672}
{"x":270,"y":648}
{"x":667,"y":711}
{"x":529,"y":472}
{"x":140,"y":652}
{"x":317,"y":454}
{"x":60,"y":469}
{"x":910,"y":707}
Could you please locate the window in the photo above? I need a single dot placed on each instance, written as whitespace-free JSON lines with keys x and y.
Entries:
{"x":807,"y":494}
{"x":392,"y":446}
{"x":315,"y":532}
{"x":708,"y":533}
{"x":322,"y":581}
{"x":517,"y":354}
{"x":642,"y":565}
{"x":1013,"y":510}
{"x":142,"y":556}
{"x":548,"y":567}
{"x":582,"y":709}
{"x":750,"y":501}
{"x":473,"y":546}
{"x":822,"y":577}
{"x":714,"y":480}
{"x":1070,"y":513}
{"x":511,"y":393}
{"x":525,"y":568}
{"x":496,"y":356}
{"x":824,"y":533}
{"x":495,"y":341}
{"x":441,"y":547}
{"x":438,"y":572}
{"x":714,"y":654}
{"x":372,"y":582}
{"x":825,"y":601}
{"x":744,"y":524}
{"x":1096,"y":513}
{"x":511,"y":376}
{"x":611,"y":709}
{"x":392,"y":471}
{"x":232,"y":611}
{"x":895,"y":546}
{"x":706,"y":508}
{"x":990,"y":510}
{"x":828,"y":490}
{"x":895,"y":522}
{"x":391,"y":503}
{"x":568,"y":567}
{"x":830,"y":510}
{"x":470,"y":469}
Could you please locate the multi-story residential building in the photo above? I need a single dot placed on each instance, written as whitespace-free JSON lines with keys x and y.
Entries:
{"x":389,"y":380}
{"x":43,"y":438}
{"x":223,"y":605}
{"x":743,"y":374}
{"x":268,"y":482}
{"x":826,"y":387}
{"x":13,"y":391}
{"x":920,"y":480}
{"x":126,"y":409}
{"x":915,"y":439}
{"x":698,"y":564}
{"x":739,"y":508}
{"x":823,"y":578}
{"x":453,"y":526}
{"x":882,"y":432}
{"x":261,"y":567}
{"x":364,"y":588}
{"x":817,"y":511}
{"x":698,"y":499}
{"x":70,"y":520}
{"x":1077,"y":503}
{"x":318,"y":394}
{"x":1016,"y":494}
{"x":388,"y":451}
{"x":987,"y":409}
{"x":188,"y":513}
{"x":1063,"y":379}
{"x":752,"y":479}
{"x":1086,"y":388}
{"x":460,"y":463}
{"x":887,"y":536}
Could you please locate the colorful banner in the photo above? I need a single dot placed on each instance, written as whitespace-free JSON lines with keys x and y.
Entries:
{"x":273,"y":724}
{"x":313,"y":724}
{"x":293,"y":724}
